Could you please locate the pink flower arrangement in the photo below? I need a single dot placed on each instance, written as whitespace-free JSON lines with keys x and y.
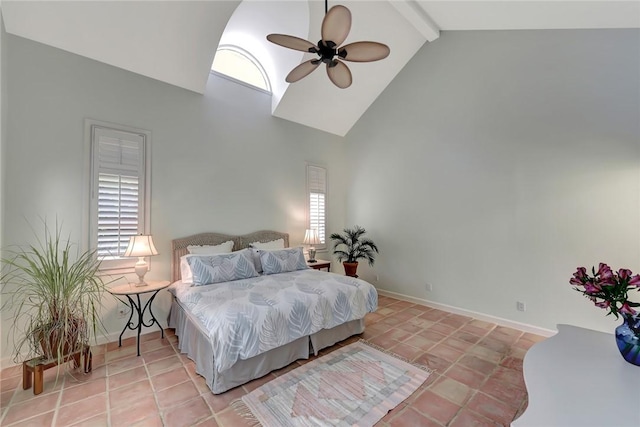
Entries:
{"x":608,"y":290}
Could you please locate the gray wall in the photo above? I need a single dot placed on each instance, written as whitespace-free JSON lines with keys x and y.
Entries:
{"x":3,"y":112}
{"x":220,"y":162}
{"x":499,"y":161}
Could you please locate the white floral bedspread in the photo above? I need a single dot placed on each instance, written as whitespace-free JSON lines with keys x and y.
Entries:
{"x":251,"y":316}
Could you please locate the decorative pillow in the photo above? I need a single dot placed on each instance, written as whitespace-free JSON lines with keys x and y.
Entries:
{"x":222,"y":248}
{"x":186,"y":276}
{"x":282,"y":261}
{"x":216,"y":268}
{"x":272,"y":245}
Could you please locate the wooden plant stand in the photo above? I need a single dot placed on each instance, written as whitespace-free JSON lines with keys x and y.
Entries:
{"x":38,"y":365}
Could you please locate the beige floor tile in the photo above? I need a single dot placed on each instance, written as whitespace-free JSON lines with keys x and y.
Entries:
{"x":163,"y":365}
{"x":452,"y":390}
{"x":31,"y":407}
{"x":126,"y":396}
{"x":187,"y":414}
{"x":170,"y":378}
{"x":82,"y":410}
{"x":83,"y":391}
{"x":137,"y":410}
{"x":37,"y":421}
{"x":127,"y":377}
{"x":176,"y":395}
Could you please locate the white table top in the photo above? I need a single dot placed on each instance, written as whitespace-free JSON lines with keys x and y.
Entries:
{"x":132,"y":289}
{"x":319,"y":261}
{"x":578,"y":378}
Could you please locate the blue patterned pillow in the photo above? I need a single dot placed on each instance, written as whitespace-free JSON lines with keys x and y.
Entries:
{"x":218,"y":268}
{"x":282,"y":261}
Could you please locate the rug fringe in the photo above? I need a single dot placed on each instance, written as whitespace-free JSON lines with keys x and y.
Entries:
{"x":397,"y":356}
{"x":244,"y":411}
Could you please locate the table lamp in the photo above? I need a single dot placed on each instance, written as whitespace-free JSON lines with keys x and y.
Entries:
{"x":141,"y":246}
{"x":311,"y":238}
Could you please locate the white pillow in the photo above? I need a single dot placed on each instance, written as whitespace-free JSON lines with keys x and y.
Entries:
{"x":222,"y":248}
{"x":272,"y":245}
{"x":185,"y":271}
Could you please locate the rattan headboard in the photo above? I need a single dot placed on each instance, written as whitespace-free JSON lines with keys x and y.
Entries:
{"x":179,"y":246}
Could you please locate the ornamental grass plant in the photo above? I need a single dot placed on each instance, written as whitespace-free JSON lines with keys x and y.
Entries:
{"x":53,"y":293}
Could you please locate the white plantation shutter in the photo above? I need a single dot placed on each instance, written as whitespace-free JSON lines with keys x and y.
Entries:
{"x":119,"y":199}
{"x":117,"y":213}
{"x":317,"y":189}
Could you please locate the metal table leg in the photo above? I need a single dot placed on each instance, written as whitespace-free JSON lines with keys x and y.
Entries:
{"x":140,"y":311}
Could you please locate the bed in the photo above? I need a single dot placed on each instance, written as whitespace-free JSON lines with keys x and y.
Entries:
{"x":236,"y":331}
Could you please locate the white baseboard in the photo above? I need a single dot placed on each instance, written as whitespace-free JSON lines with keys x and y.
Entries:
{"x":476,"y":315}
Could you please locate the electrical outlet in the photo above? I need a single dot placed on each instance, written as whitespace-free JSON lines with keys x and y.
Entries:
{"x":122,"y":312}
{"x":521,"y":306}
{"x":429,"y":287}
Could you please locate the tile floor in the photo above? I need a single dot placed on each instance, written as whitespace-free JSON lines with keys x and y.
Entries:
{"x":477,"y":378}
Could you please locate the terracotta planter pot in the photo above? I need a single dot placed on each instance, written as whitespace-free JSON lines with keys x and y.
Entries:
{"x":350,"y":268}
{"x":50,"y":340}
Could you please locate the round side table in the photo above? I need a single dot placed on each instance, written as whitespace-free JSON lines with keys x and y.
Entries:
{"x":129,"y":290}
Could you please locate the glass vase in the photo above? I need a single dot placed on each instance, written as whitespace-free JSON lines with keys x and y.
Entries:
{"x":628,"y":338}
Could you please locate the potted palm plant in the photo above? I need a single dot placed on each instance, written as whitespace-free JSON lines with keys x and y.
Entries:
{"x":350,"y":246}
{"x":54,"y":295}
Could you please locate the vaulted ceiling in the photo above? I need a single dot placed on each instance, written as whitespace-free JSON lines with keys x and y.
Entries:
{"x":175,"y":41}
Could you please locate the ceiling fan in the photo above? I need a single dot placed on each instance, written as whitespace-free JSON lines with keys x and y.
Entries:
{"x":335,"y":28}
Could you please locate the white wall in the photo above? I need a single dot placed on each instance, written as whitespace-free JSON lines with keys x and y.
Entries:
{"x":498,"y":162}
{"x":220,"y":162}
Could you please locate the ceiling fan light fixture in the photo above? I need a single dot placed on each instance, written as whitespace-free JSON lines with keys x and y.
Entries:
{"x":335,"y":29}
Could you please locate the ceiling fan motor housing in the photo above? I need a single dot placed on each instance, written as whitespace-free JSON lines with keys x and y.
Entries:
{"x":326,"y":50}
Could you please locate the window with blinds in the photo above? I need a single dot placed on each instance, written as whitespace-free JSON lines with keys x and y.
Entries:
{"x":119,"y":194}
{"x":317,"y":190}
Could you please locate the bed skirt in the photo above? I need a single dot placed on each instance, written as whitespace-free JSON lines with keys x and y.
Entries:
{"x":194,"y":341}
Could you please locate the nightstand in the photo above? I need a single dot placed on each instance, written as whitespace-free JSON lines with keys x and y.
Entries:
{"x":131,"y":289}
{"x":320,"y":264}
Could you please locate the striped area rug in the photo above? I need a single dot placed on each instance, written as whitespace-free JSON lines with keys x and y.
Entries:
{"x":355,"y":385}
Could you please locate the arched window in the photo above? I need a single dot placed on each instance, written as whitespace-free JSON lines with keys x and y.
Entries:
{"x":240,"y":65}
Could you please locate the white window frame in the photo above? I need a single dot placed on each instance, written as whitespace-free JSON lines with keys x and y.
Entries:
{"x":121,"y":264}
{"x":312,"y":169}
{"x":251,"y":59}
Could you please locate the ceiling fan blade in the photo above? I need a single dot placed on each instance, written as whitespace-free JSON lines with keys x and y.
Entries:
{"x":302,"y":70}
{"x":336,"y":25}
{"x":364,"y":51}
{"x":292,"y":42}
{"x":339,"y":74}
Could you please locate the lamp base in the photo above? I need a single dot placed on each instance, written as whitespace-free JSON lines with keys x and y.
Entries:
{"x":141,"y":269}
{"x":312,"y":255}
